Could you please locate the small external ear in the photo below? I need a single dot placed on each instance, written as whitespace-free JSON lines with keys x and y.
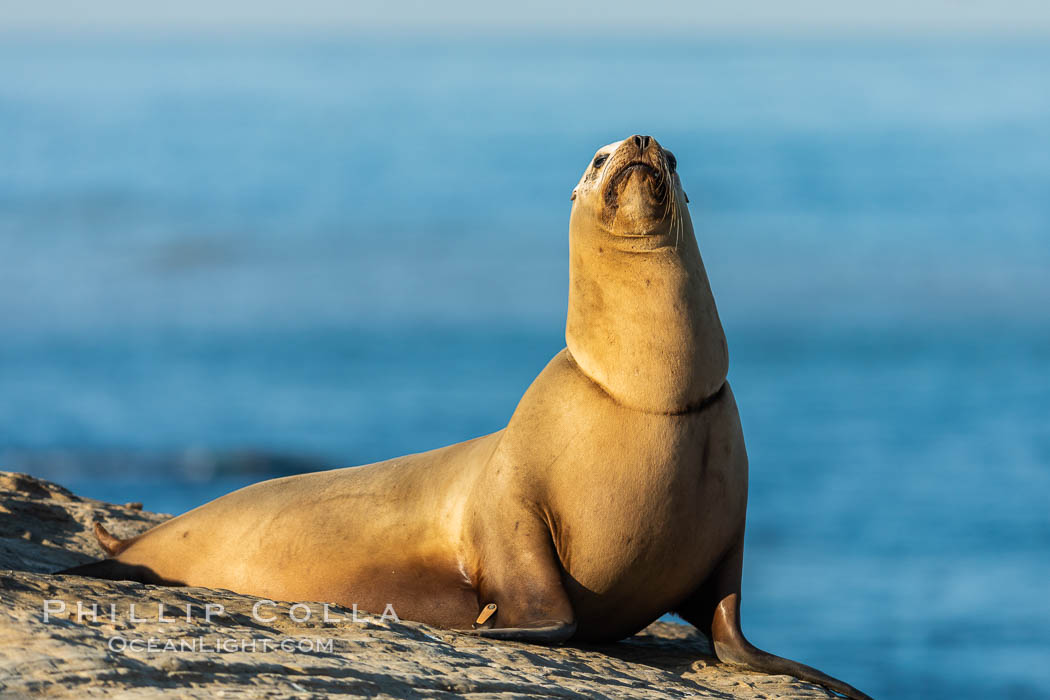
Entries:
{"x":573,"y":197}
{"x":686,"y":196}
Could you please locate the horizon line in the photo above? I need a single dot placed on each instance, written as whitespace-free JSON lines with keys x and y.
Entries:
{"x":375,"y":30}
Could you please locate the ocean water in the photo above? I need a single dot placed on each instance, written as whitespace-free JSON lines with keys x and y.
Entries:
{"x":228,"y":258}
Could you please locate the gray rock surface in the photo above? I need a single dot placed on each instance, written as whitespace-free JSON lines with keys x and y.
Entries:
{"x":278,"y":653}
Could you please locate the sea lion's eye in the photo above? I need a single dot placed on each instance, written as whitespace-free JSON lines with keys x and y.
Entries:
{"x":600,"y":159}
{"x":672,"y":162}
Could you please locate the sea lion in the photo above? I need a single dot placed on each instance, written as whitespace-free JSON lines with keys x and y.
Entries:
{"x":616,"y":493}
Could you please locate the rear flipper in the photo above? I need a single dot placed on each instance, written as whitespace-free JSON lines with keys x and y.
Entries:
{"x":114,"y":570}
{"x":108,"y":542}
{"x":715,"y":611}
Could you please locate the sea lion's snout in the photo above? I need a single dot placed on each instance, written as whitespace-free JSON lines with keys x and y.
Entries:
{"x":638,"y":157}
{"x":636,"y":185}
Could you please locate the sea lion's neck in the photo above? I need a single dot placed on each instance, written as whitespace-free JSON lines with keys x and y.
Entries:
{"x":643,"y":325}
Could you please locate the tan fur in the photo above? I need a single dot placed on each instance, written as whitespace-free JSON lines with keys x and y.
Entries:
{"x":616,"y":493}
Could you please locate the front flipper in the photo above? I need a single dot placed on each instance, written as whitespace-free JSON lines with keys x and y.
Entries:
{"x":715,"y":610}
{"x":520,"y":581}
{"x":547,"y":632}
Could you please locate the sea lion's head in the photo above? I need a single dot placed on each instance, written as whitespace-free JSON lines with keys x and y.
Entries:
{"x":631,"y":190}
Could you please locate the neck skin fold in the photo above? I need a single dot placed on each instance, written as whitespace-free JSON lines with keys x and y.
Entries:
{"x":642,"y":321}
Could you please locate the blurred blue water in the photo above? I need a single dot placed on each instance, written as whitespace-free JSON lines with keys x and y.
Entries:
{"x":223,"y":259}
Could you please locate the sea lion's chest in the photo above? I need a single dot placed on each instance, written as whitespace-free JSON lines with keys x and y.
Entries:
{"x":636,"y":500}
{"x":650,"y":496}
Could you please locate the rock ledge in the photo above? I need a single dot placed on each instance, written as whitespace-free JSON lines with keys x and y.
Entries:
{"x":178,"y":639}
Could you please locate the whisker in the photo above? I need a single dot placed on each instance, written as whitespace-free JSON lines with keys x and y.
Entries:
{"x":677,"y":222}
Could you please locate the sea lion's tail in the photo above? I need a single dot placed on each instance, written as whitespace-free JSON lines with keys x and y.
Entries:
{"x":112,"y":545}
